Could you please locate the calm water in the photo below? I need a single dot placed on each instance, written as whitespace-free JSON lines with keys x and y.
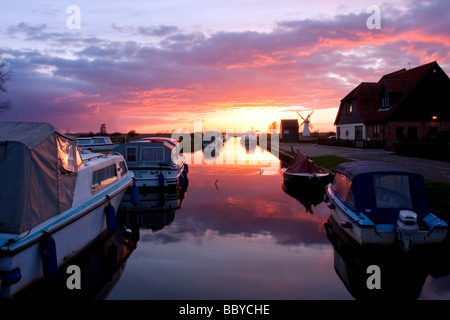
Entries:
{"x":238,"y":235}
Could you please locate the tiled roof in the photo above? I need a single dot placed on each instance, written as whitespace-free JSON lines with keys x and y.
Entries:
{"x":368,"y":94}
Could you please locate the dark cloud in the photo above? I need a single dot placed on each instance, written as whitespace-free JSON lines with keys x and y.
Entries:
{"x":310,"y":61}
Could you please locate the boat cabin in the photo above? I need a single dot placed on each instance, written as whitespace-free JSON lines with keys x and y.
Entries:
{"x":149,"y":152}
{"x":380,"y":191}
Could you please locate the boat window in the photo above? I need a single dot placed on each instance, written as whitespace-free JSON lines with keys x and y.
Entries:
{"x":342,"y":185}
{"x":152,"y":154}
{"x":131,"y":154}
{"x":123,"y":168}
{"x":103,"y":177}
{"x":67,"y":155}
{"x":392,"y":191}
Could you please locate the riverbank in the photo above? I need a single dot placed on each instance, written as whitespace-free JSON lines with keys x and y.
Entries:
{"x":436,"y":173}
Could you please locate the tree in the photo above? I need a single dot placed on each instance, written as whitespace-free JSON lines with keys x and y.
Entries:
{"x":273,"y":126}
{"x":5,"y":75}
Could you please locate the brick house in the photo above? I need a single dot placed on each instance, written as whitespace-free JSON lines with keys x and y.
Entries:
{"x":405,"y":105}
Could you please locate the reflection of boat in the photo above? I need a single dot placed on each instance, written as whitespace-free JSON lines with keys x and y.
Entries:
{"x":308,"y":197}
{"x":379,"y":203}
{"x":96,"y":143}
{"x":379,"y":273}
{"x":249,"y":141}
{"x":54,"y":202}
{"x":302,"y":170}
{"x":155,"y":210}
{"x":100,"y":267}
{"x":212,"y":144}
{"x":155,"y":162}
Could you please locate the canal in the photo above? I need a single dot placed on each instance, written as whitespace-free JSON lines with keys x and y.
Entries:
{"x":237,"y":233}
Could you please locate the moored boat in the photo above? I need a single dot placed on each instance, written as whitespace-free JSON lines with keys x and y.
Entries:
{"x":383,"y":204}
{"x":55,"y":201}
{"x":155,"y":162}
{"x":98,"y":143}
{"x":303,"y":170}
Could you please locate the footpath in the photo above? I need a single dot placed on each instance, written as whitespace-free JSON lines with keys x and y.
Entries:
{"x":430,"y":169}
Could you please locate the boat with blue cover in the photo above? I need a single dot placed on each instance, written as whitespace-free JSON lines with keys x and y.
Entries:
{"x":55,"y":201}
{"x":383,"y":204}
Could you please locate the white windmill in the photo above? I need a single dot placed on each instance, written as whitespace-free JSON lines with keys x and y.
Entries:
{"x":306,"y":124}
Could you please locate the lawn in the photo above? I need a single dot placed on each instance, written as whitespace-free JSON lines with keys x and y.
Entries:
{"x":329,"y":162}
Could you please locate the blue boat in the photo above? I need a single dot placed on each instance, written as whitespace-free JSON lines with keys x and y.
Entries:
{"x":382,"y":204}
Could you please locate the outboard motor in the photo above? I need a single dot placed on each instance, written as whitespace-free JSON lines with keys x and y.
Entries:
{"x":406,"y":225}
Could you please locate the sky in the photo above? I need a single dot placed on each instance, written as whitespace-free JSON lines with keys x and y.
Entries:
{"x":155,"y":66}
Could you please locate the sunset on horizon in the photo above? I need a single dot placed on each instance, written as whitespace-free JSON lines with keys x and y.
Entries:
{"x":239,"y":65}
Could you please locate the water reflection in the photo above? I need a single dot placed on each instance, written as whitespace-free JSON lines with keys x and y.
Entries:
{"x":238,"y":235}
{"x":155,"y":210}
{"x":401,"y":276}
{"x":307,"y":196}
{"x":101,"y":266}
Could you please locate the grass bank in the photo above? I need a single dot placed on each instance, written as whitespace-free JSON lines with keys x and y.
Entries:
{"x":438,"y":193}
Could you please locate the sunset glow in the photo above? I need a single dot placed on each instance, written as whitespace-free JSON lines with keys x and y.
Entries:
{"x":159,"y":66}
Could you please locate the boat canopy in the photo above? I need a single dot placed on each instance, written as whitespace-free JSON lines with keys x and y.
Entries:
{"x":380,"y":190}
{"x":302,"y":164}
{"x":39,"y":169}
{"x":149,"y":152}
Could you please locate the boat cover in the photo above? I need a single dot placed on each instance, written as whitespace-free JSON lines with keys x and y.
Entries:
{"x":380,"y":190}
{"x":165,"y":152}
{"x":39,"y":168}
{"x":302,"y":164}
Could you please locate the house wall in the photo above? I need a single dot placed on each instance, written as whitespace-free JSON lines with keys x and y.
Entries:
{"x":288,"y":134}
{"x":421,"y":128}
{"x":347,"y":131}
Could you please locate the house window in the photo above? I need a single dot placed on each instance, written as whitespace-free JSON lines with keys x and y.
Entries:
{"x":376,"y":130}
{"x":385,"y":101}
{"x":131,"y":154}
{"x":338,"y":132}
{"x":412,"y":133}
{"x":358,"y":133}
{"x":348,"y":108}
{"x":399,"y":133}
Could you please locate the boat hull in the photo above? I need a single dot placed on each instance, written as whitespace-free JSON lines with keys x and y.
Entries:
{"x":72,"y":231}
{"x":319,"y":179}
{"x":365,"y":233}
{"x":155,"y":177}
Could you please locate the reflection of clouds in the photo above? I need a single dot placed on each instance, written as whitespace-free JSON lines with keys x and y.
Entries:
{"x":436,"y":288}
{"x":232,"y":266}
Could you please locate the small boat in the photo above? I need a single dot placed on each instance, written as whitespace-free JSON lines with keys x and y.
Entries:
{"x":156,"y":162}
{"x":383,"y":204}
{"x":55,"y":201}
{"x":96,"y":143}
{"x":302,"y":170}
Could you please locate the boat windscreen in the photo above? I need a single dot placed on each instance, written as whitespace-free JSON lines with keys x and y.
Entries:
{"x":392,"y":191}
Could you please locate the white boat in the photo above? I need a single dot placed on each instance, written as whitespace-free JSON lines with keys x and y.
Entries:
{"x":156,"y":162}
{"x":98,"y":143}
{"x":383,"y":204}
{"x":55,"y":202}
